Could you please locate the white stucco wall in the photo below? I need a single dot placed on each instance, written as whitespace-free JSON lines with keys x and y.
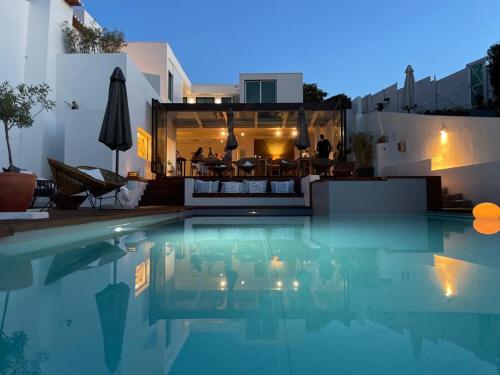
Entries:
{"x":470,"y":153}
{"x":32,"y":33}
{"x":159,"y":59}
{"x":289,"y":86}
{"x":82,"y":126}
{"x":14,"y":30}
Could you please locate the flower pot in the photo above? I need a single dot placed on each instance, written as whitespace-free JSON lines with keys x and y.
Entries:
{"x":365,"y":172}
{"x":16,"y":191}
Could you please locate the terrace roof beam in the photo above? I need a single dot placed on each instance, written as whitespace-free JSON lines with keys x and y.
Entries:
{"x":198,"y":120}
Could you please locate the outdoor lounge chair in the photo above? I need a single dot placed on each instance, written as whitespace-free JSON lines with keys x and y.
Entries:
{"x":321,"y":166}
{"x":71,"y":181}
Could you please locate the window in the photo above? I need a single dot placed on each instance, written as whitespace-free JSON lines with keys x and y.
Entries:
{"x":184,"y":99}
{"x":260,"y":91}
{"x":143,"y":144}
{"x":205,"y":100}
{"x":225,"y":100}
{"x":170,"y":87}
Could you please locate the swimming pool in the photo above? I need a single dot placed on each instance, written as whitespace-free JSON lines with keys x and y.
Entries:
{"x":364,"y":294}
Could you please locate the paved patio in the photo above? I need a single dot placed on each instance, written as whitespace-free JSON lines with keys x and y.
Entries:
{"x":59,"y":218}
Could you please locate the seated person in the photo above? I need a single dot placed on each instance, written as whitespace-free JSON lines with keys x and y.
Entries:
{"x":198,"y":160}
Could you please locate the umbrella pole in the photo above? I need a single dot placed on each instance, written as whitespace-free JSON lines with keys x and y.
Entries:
{"x":4,"y":311}
{"x":117,"y":168}
{"x":117,"y":163}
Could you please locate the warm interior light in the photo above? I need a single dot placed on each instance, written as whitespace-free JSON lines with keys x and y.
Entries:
{"x":296,"y":284}
{"x":444,"y":134}
{"x":223,"y":283}
{"x":278,"y":133}
{"x":191,"y":100}
{"x":294,"y":133}
{"x":221,"y":140}
{"x":242,"y":134}
{"x":218,"y":101}
{"x":448,"y":292}
{"x":279,"y":284}
{"x":276,"y":262}
{"x":223,"y":133}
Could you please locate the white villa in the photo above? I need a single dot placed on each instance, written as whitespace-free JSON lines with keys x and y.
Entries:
{"x":169,"y":113}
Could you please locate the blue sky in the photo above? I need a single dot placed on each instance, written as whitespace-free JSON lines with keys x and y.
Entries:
{"x":350,"y":46}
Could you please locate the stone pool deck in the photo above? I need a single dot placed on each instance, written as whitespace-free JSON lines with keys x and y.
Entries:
{"x":60,"y":218}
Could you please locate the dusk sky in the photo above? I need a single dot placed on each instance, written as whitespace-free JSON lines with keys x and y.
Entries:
{"x":355,"y":47}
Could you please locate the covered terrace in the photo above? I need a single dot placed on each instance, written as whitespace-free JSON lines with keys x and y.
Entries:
{"x":264,"y":131}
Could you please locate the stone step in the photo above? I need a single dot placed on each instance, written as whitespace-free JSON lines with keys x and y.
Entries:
{"x":452,"y":197}
{"x":459,"y":203}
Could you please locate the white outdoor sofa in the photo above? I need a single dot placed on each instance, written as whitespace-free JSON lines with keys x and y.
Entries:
{"x":301,"y":197}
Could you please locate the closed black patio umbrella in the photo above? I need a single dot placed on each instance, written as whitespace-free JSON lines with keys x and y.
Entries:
{"x":112,"y":305}
{"x":116,"y":132}
{"x":232,"y":142}
{"x":302,"y":141}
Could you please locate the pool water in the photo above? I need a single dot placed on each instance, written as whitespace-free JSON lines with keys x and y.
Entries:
{"x":378,"y":294}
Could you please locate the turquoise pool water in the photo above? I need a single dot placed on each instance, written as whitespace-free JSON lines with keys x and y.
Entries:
{"x":259,"y":295}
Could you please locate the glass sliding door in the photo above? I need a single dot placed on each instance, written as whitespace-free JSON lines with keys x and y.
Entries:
{"x":260,"y":91}
{"x":252,"y":91}
{"x":268,"y":92}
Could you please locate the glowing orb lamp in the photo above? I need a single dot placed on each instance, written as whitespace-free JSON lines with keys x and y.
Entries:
{"x":486,"y":211}
{"x":487,"y":226}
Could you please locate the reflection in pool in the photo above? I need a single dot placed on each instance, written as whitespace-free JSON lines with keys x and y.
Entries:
{"x":261,"y":295}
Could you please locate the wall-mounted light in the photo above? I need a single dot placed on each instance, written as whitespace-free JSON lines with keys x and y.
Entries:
{"x":444,"y":134}
{"x":73,"y":105}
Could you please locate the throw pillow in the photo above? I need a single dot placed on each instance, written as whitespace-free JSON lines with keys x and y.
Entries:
{"x":280,"y":186}
{"x":256,"y":186}
{"x":202,"y":186}
{"x":232,"y":187}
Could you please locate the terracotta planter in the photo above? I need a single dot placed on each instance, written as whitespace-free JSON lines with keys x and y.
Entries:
{"x":16,"y":191}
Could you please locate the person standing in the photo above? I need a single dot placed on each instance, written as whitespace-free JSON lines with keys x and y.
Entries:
{"x":323,"y":148}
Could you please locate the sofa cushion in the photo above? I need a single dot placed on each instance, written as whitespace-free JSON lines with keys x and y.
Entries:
{"x":232,"y":187}
{"x":206,"y":186}
{"x":255,"y":186}
{"x":283,"y":186}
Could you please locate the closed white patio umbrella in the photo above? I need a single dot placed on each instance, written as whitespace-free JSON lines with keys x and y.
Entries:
{"x":409,"y":90}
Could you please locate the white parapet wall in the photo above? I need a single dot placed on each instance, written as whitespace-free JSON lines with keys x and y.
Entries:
{"x":402,"y":196}
{"x":464,"y":151}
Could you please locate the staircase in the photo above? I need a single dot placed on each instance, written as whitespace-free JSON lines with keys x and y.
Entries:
{"x":164,"y":191}
{"x":455,"y":202}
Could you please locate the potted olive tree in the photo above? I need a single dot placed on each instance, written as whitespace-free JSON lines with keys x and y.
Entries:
{"x":362,"y":145}
{"x":16,"y":105}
